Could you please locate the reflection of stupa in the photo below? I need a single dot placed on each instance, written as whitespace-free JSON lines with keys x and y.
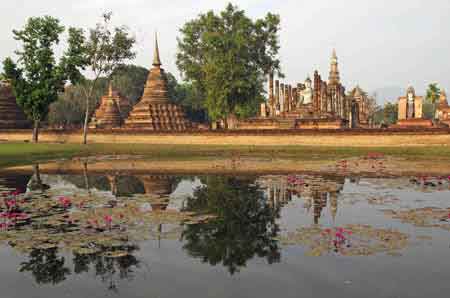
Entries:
{"x":154,"y":111}
{"x":160,"y":187}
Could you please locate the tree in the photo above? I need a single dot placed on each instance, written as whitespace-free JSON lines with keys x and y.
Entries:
{"x":225,"y":57}
{"x":433,"y":94}
{"x":130,"y":80}
{"x":390,"y":112}
{"x":37,"y":78}
{"x":105,"y":50}
{"x":372,"y":107}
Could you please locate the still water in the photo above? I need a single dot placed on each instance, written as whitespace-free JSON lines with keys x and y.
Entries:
{"x":84,"y":234}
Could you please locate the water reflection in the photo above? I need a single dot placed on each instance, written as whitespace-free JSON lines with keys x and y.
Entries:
{"x":46,"y":266}
{"x":245,"y":225}
{"x":85,"y":222}
{"x":317,"y":192}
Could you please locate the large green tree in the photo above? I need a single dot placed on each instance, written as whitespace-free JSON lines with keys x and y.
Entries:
{"x":226,"y":56}
{"x":105,"y":50}
{"x":37,"y":77}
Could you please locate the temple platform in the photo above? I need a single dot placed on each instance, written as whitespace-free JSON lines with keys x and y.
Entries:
{"x":321,"y":124}
{"x":414,"y":123}
{"x":289,"y":123}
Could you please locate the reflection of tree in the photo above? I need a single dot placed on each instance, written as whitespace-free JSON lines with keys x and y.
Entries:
{"x":106,"y":266}
{"x":245,"y":225}
{"x":45,"y":266}
{"x":35,"y":183}
{"x":110,"y":264}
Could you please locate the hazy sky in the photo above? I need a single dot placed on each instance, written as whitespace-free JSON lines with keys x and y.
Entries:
{"x":379,"y":43}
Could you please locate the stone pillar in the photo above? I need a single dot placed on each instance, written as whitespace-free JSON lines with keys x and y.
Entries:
{"x":317,"y":92}
{"x":263,"y":110}
{"x":294,"y":98}
{"x":282,"y":97}
{"x":286,"y":98}
{"x":290,"y":98}
{"x":271,"y":96}
{"x":277,"y":95}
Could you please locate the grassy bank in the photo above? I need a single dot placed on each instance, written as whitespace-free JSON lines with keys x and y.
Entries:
{"x":12,"y":154}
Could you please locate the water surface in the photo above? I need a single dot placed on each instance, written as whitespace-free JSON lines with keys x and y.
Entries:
{"x":124,"y":234}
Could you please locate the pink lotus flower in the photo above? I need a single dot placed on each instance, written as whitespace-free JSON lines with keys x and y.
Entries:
{"x":65,"y":202}
{"x":108,"y":219}
{"x":11,"y":203}
{"x":4,"y":225}
{"x":340,"y":236}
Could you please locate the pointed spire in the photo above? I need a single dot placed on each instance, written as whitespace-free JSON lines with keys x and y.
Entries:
{"x":156,"y":59}
{"x":110,"y":89}
{"x":334,"y":58}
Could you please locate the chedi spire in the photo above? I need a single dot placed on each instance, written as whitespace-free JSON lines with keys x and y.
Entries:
{"x":334,"y":77}
{"x":156,"y":58}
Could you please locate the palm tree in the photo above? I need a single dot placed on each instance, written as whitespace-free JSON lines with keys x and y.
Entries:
{"x":433,"y":94}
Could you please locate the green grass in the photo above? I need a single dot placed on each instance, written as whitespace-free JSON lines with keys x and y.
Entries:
{"x":14,"y":154}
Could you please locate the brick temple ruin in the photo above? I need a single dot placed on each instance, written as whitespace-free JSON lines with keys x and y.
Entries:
{"x":154,"y":111}
{"x":314,"y":104}
{"x":11,"y":115}
{"x":112,"y":111}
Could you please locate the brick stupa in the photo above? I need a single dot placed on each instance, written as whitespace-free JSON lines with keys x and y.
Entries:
{"x":154,"y":111}
{"x":112,"y":111}
{"x":11,"y":116}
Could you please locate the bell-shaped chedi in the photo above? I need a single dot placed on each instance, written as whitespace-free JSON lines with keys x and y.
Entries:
{"x":443,"y":109}
{"x":154,"y":111}
{"x":112,"y":111}
{"x":11,"y":116}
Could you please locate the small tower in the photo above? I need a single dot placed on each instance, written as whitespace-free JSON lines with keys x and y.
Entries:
{"x":334,"y":77}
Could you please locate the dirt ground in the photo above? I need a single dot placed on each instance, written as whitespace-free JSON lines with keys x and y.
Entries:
{"x":310,"y":139}
{"x":363,"y":166}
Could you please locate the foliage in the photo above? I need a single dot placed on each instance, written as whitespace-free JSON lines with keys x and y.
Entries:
{"x":245,"y":225}
{"x":390,"y":113}
{"x":37,"y":78}
{"x":69,"y":110}
{"x":105,"y":50}
{"x":130,"y":80}
{"x":226,"y":56}
{"x":373,"y":108}
{"x":432,"y":98}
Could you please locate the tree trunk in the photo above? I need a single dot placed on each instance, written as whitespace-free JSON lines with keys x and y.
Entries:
{"x":86,"y":122}
{"x":36,"y":131}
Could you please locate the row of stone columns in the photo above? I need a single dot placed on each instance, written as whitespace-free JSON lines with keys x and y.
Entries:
{"x":281,"y":97}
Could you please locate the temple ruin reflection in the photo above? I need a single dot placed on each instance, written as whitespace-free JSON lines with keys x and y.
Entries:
{"x":317,"y":192}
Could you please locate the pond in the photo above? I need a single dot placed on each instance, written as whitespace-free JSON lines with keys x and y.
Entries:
{"x":80,"y":233}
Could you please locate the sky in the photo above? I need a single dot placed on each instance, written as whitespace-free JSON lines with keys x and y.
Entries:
{"x":380,"y":44}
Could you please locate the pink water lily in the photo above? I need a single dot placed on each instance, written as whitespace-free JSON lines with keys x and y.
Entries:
{"x":108,"y":219}
{"x":11,"y":203}
{"x":65,"y":202}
